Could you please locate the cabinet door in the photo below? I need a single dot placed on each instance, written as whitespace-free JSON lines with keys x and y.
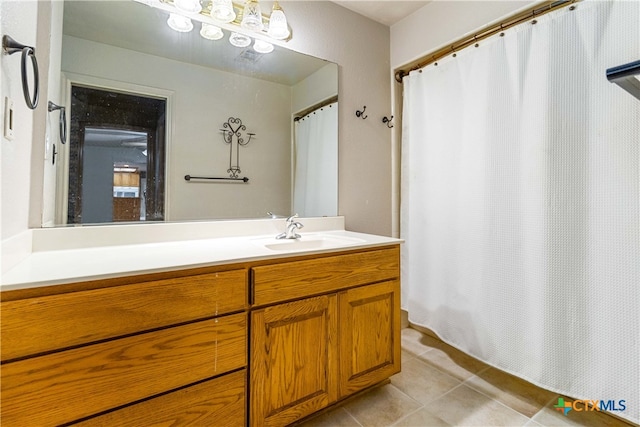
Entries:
{"x":293,"y":361}
{"x":369,"y":335}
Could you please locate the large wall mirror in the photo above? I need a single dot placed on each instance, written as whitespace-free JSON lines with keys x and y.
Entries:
{"x":149,"y":105}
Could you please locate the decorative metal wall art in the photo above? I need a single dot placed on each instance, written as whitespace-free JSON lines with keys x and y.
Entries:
{"x":233,"y":134}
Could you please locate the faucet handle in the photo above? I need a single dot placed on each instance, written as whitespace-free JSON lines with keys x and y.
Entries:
{"x":292,"y":218}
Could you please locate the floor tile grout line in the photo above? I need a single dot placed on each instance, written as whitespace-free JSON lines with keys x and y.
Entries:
{"x":417,"y":355}
{"x":543,"y":408}
{"x":353,"y":417}
{"x":437,"y":368}
{"x":497,"y":401}
{"x":409,"y":414}
{"x":434,"y":398}
{"x":476,"y":388}
{"x":407,"y":395}
{"x":421,"y":405}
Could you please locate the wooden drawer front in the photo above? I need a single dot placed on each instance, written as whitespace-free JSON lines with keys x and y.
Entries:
{"x":37,"y":325}
{"x":65,"y":386}
{"x":299,"y":279}
{"x":218,"y":402}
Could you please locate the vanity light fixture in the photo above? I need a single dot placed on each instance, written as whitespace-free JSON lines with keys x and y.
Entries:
{"x":188,"y":6}
{"x":222,"y":10}
{"x":262,"y":46}
{"x":224,"y":14}
{"x":252,"y":16}
{"x":239,"y":40}
{"x":211,"y":32}
{"x":179,"y":23}
{"x":278,"y":27}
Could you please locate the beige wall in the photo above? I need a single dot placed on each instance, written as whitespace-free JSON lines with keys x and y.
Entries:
{"x":316,"y":88}
{"x":361,"y":49}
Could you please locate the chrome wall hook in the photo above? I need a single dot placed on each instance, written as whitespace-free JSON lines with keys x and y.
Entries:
{"x":387,"y":121}
{"x":10,"y":46}
{"x":361,"y":113}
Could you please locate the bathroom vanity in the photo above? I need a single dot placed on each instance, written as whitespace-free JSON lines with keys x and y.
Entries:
{"x":265,"y":340}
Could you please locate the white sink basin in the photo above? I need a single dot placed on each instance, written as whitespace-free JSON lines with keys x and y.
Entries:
{"x":307,"y":242}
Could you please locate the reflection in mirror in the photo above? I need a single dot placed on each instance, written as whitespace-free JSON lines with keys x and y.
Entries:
{"x":116,"y":157}
{"x":316,"y":159}
{"x":127,"y":49}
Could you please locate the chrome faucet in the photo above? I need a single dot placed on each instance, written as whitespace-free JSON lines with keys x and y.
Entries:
{"x":292,"y":226}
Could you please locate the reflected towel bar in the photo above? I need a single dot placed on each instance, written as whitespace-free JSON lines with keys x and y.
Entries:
{"x":189,"y":178}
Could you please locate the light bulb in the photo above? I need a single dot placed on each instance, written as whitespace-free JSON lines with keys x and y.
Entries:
{"x":179,"y":23}
{"x":252,"y":16}
{"x":211,"y":32}
{"x":278,"y":28}
{"x":188,"y":6}
{"x":222,"y":10}
{"x":239,"y":40}
{"x":262,"y":46}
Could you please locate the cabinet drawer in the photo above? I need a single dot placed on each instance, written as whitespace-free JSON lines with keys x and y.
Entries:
{"x":37,"y":325}
{"x":299,"y":279}
{"x":220,"y":402}
{"x":66,"y":386}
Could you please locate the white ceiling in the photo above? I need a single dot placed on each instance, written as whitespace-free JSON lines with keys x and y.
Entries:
{"x":387,"y":12}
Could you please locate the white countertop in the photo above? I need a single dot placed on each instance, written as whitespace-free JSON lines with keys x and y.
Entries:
{"x":74,"y":264}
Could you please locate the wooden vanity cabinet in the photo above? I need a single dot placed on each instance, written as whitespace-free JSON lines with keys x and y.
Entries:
{"x":309,"y":352}
{"x":163,"y":350}
{"x":172,"y":348}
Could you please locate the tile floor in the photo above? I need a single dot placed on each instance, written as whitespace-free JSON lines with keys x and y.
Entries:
{"x":440,"y":386}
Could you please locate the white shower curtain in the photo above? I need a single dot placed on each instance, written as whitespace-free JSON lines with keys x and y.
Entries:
{"x":521,"y":203}
{"x":315,"y":184}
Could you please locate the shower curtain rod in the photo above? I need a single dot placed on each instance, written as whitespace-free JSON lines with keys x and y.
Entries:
{"x":534,"y":12}
{"x":313,"y":108}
